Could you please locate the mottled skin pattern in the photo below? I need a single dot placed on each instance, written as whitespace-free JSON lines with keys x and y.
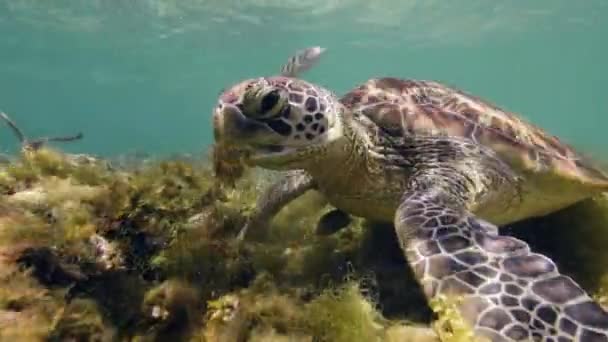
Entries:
{"x":446,"y":169}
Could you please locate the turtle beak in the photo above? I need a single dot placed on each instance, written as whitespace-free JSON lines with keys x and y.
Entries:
{"x":250,"y":140}
{"x":226,"y":121}
{"x":228,"y":124}
{"x":236,"y":132}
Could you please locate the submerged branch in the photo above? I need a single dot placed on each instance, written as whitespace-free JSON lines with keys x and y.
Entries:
{"x":36,"y":144}
{"x":13,"y":127}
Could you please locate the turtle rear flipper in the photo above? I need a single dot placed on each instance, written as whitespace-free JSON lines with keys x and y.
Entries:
{"x":508,"y":293}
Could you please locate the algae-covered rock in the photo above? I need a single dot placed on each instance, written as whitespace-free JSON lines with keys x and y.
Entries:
{"x":148,"y":252}
{"x":337,"y":314}
{"x":27,"y":308}
{"x":171,"y":311}
{"x":81,"y":320}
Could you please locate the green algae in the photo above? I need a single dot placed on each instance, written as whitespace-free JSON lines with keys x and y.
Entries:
{"x":81,"y":320}
{"x":148,"y":253}
{"x":450,"y":326}
{"x":344,"y":315}
{"x":336,"y":314}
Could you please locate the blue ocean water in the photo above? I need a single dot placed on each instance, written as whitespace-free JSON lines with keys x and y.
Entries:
{"x":143,"y":75}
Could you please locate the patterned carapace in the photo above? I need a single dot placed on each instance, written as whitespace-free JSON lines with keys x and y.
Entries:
{"x":413,"y":107}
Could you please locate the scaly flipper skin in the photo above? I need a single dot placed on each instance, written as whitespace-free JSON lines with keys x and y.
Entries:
{"x":509,"y":293}
{"x":275,"y":197}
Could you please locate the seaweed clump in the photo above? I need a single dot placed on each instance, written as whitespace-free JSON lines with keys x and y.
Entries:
{"x":94,"y":252}
{"x":337,"y":314}
{"x":450,"y":325}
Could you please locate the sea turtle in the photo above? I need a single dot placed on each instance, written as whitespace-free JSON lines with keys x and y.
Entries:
{"x":447,"y":169}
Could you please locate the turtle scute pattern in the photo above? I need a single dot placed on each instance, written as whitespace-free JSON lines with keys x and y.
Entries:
{"x":510,"y":293}
{"x":403,"y":106}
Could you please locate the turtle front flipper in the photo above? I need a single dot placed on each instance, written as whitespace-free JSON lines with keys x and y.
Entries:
{"x":507,"y":292}
{"x":275,"y":197}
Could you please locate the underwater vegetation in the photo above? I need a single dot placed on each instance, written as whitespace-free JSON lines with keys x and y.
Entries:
{"x":92,"y":251}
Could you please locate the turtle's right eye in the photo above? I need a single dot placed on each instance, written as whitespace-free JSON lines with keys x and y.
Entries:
{"x":269,"y":101}
{"x":263,"y":102}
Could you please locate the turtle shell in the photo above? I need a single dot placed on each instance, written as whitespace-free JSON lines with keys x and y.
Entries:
{"x":411,"y":107}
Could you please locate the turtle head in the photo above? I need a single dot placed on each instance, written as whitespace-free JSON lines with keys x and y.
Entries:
{"x":278,"y":122}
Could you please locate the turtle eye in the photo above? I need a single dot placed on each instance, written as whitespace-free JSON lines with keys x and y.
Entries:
{"x":263,"y":102}
{"x":269,"y":101}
